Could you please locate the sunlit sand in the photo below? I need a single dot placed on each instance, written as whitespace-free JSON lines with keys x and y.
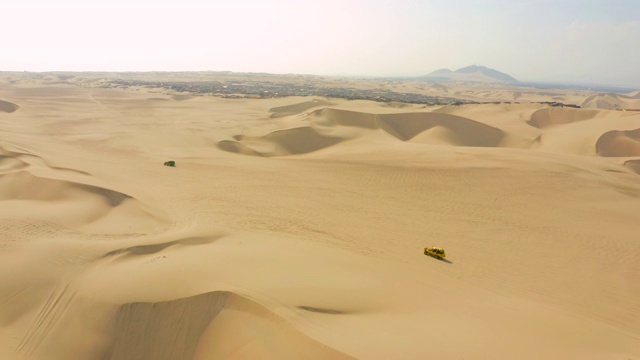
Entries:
{"x":294,"y":227}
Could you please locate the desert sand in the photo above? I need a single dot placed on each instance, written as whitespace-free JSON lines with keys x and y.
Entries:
{"x":294,"y":227}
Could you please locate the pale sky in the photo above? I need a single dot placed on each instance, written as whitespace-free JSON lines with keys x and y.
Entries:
{"x":584,"y":41}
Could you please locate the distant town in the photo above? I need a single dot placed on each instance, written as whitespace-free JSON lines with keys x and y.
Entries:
{"x":271,"y":89}
{"x":262,"y":86}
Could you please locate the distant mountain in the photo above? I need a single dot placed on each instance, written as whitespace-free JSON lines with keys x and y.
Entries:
{"x":441,"y":72}
{"x":470,"y":73}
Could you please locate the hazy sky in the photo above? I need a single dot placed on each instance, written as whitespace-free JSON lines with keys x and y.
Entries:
{"x":588,"y":41}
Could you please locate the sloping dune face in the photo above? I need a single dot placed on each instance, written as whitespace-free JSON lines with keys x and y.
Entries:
{"x":10,"y":163}
{"x":8,"y":107}
{"x":31,"y":189}
{"x":237,"y":147}
{"x":300,"y":140}
{"x":24,"y":195}
{"x":282,"y":111}
{"x":545,"y":118}
{"x":619,"y":143}
{"x":461,"y":131}
{"x":294,"y":141}
{"x":215,"y":325}
{"x":333,"y":117}
{"x":611,"y":101}
{"x":325,"y":131}
{"x":634,"y":165}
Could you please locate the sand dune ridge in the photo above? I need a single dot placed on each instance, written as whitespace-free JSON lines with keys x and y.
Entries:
{"x":146,"y":249}
{"x":219,"y":325}
{"x":324,"y":131}
{"x":70,"y":203}
{"x":619,"y":143}
{"x":406,"y":126}
{"x":287,"y":110}
{"x":548,"y":117}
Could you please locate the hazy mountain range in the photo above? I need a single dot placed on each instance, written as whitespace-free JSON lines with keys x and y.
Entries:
{"x":470,"y":73}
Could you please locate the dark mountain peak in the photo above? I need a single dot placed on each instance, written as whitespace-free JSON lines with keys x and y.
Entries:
{"x":492,"y":73}
{"x":441,"y":72}
{"x":472,"y":68}
{"x":473,"y":73}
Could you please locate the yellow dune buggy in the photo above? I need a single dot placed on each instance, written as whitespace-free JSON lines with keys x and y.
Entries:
{"x":435,"y":252}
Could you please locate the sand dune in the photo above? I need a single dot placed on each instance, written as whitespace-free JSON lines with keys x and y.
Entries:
{"x":619,"y":143}
{"x":23,"y":185}
{"x":459,"y":131}
{"x":313,"y":246}
{"x":147,"y":249}
{"x":611,"y":101}
{"x":238,"y":148}
{"x":215,"y":325}
{"x":11,"y":163}
{"x":331,"y":117}
{"x":294,"y":141}
{"x":634,"y":165}
{"x":30,"y":187}
{"x":544,"y":118}
{"x":464,"y":131}
{"x":287,"y":110}
{"x":18,"y":159}
{"x":300,"y":140}
{"x":71,"y":204}
{"x":406,"y":126}
{"x":8,"y":107}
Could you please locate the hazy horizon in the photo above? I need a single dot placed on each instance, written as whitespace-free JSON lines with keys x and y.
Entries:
{"x":537,"y":40}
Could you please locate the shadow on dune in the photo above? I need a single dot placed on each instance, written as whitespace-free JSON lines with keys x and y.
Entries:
{"x":218,"y":325}
{"x":634,"y":165}
{"x":609,"y":101}
{"x":407,"y":126}
{"x":162,"y":330}
{"x":11,"y":163}
{"x":16,"y":160}
{"x":300,"y":140}
{"x":619,"y":143}
{"x":237,"y":147}
{"x":287,"y":110}
{"x":23,"y":185}
{"x":72,"y":204}
{"x":321,"y":310}
{"x":331,"y":126}
{"x":460,"y":130}
{"x":147,"y":249}
{"x":544,"y":118}
{"x":8,"y":107}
